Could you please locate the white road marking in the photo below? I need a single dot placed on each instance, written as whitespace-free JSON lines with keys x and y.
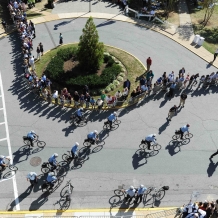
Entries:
{"x":2,"y":123}
{"x":1,"y":109}
{"x":3,"y":139}
{"x":9,"y":145}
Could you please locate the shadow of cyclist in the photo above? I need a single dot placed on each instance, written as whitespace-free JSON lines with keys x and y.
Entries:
{"x":137,"y":158}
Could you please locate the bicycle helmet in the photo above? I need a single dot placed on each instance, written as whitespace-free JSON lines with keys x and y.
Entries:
{"x":131,"y":187}
{"x":1,"y":156}
{"x":115,"y":114}
{"x":141,"y":186}
{"x":77,"y":143}
{"x":32,"y":131}
{"x":154,"y":135}
{"x":81,"y":109}
{"x":55,"y":154}
{"x":96,"y":132}
{"x":51,"y":174}
{"x":187,"y":125}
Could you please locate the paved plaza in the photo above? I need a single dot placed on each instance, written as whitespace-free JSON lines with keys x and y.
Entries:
{"x":185,"y":169}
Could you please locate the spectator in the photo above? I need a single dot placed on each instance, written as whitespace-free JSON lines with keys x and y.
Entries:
{"x":55,"y":96}
{"x":144,"y":88}
{"x":186,"y":80}
{"x":118,"y":95}
{"x":87,"y":99}
{"x":92,"y":102}
{"x":38,"y":53}
{"x":41,"y":48}
{"x":172,"y":112}
{"x":99,"y":103}
{"x":103,"y":96}
{"x":76,"y":98}
{"x":182,"y":72}
{"x":85,"y":90}
{"x":150,"y":75}
{"x":183,"y":97}
{"x":49,"y":97}
{"x":32,"y":62}
{"x":127,"y":84}
{"x":149,"y":62}
{"x":172,"y":89}
{"x":215,"y":55}
{"x":62,"y":99}
{"x":60,"y":39}
{"x":171,"y":77}
{"x":125,"y":93}
{"x":69,"y":98}
{"x":133,"y":93}
{"x":142,"y":81}
{"x":82,"y":100}
{"x":164,"y":75}
{"x":64,"y":92}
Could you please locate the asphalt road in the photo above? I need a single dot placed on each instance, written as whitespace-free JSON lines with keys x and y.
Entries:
{"x":184,"y":171}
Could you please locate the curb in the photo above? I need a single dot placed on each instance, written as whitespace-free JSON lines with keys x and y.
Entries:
{"x":85,"y":210}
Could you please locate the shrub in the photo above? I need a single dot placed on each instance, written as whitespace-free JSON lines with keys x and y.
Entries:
{"x":116,"y":83}
{"x":110,"y":61}
{"x":67,"y":53}
{"x":120,"y":78}
{"x":112,"y":86}
{"x":107,"y":89}
{"x":55,"y":68}
{"x":122,"y":74}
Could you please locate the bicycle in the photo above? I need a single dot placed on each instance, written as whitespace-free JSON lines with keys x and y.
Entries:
{"x":88,"y":142}
{"x":66,"y":191}
{"x":75,"y":120}
{"x":68,"y":157}
{"x":157,"y":194}
{"x":154,"y":146}
{"x":40,"y":144}
{"x":10,"y":166}
{"x":178,"y":135}
{"x":113,"y":126}
{"x":121,"y":192}
{"x":47,"y":186}
{"x":47,"y":167}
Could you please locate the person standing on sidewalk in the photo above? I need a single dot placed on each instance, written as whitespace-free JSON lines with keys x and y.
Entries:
{"x":41,"y":48}
{"x":32,"y":178}
{"x":38,"y":53}
{"x":32,"y":62}
{"x":149,"y":62}
{"x":215,"y":54}
{"x":60,"y":39}
{"x":172,"y":89}
{"x":172,"y":112}
{"x":183,"y":97}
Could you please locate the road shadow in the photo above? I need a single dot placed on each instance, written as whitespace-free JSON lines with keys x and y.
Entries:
{"x":173,"y":147}
{"x":211,"y":168}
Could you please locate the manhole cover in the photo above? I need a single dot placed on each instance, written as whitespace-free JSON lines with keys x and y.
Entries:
{"x":35,"y":161}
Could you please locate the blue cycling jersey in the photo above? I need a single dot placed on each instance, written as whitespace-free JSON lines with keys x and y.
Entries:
{"x":111,"y":117}
{"x":92,"y":135}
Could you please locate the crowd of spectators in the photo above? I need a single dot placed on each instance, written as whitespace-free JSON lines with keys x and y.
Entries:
{"x":204,"y":209}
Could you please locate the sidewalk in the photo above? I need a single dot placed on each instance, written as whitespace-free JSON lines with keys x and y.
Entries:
{"x":103,"y":213}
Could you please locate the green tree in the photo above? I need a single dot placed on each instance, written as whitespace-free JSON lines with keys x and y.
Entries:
{"x":90,"y":50}
{"x":209,"y":9}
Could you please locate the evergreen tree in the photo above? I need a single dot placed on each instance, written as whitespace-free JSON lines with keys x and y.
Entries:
{"x":90,"y":50}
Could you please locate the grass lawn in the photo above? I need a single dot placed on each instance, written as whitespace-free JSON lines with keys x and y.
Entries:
{"x":197,"y":16}
{"x":133,"y":66}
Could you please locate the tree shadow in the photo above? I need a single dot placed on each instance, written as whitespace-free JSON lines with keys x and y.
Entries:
{"x":211,"y":168}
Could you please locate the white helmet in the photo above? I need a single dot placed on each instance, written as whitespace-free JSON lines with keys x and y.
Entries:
{"x":131,"y":187}
{"x":96,"y":132}
{"x":77,"y":143}
{"x":115,"y":114}
{"x":154,"y":135}
{"x":141,"y":186}
{"x":1,"y":156}
{"x":51,"y":174}
{"x":32,"y":131}
{"x":55,"y":154}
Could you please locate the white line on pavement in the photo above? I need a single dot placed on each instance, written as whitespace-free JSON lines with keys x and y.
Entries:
{"x":2,"y":123}
{"x":9,"y":144}
{"x":1,"y":109}
{"x":3,"y":139}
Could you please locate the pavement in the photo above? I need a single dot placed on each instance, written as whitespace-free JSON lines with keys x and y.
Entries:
{"x":118,"y":162}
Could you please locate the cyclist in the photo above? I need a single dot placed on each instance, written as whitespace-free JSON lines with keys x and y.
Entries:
{"x":74,"y":150}
{"x":140,"y":193}
{"x":51,"y":179}
{"x":53,"y":162}
{"x":112,"y":118}
{"x":31,"y":136}
{"x":79,"y":114}
{"x":32,"y":178}
{"x":93,"y":137}
{"x":2,"y":161}
{"x":130,"y":193}
{"x":184,"y":129}
{"x":149,"y":139}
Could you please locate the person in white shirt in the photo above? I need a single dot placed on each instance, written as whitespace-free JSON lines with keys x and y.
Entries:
{"x":32,"y":62}
{"x":144,"y":88}
{"x":140,"y":193}
{"x":32,"y":178}
{"x":130,"y":193}
{"x":171,"y":77}
{"x":118,"y":95}
{"x":152,"y":12}
{"x":125,"y":93}
{"x":16,"y":5}
{"x":150,"y":138}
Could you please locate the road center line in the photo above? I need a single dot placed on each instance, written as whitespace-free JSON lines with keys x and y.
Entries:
{"x":9,"y":144}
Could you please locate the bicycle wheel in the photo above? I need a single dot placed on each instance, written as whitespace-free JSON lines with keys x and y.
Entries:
{"x":175,"y":137}
{"x":65,"y":190}
{"x":148,"y":191}
{"x":156,"y":147}
{"x":188,"y":136}
{"x":117,"y":122}
{"x":60,"y":170}
{"x":106,"y":126}
{"x":160,"y":194}
{"x":80,"y":160}
{"x":66,"y":157}
{"x":12,"y":167}
{"x":118,"y":192}
{"x":87,"y":143}
{"x":45,"y":170}
{"x":143,"y":146}
{"x":41,"y":144}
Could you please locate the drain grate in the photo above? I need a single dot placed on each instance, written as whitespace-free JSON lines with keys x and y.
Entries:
{"x":35,"y":161}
